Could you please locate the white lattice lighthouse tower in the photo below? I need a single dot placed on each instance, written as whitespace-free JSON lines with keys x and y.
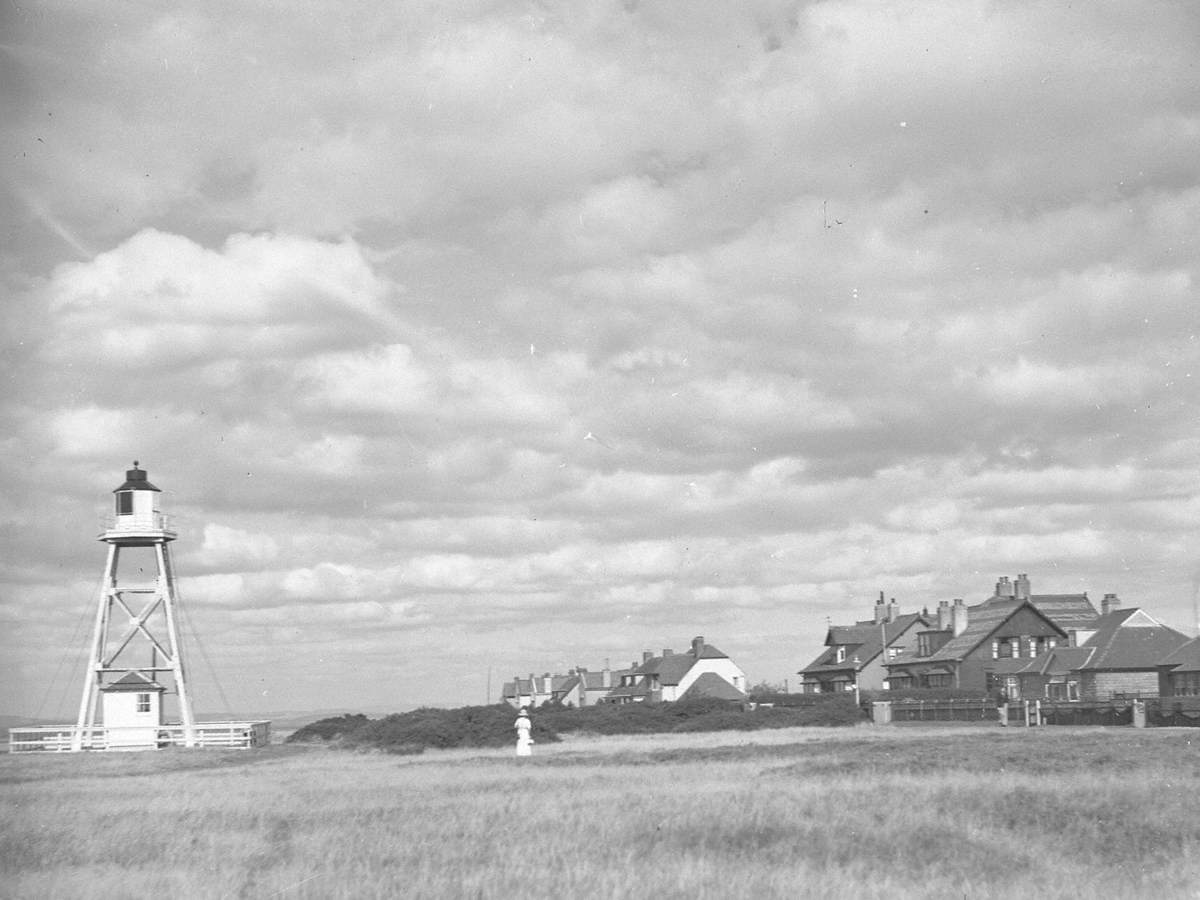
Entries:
{"x":136,"y":636}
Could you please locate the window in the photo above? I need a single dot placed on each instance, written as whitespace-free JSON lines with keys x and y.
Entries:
{"x":143,"y":703}
{"x":1185,"y":684}
{"x":893,"y":652}
{"x":938,"y":680}
{"x":1059,"y":690}
{"x":125,"y":503}
{"x":841,"y":654}
{"x":1003,"y":648}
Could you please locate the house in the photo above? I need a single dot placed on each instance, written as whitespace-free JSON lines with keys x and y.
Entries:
{"x":988,"y":646}
{"x":598,"y":685}
{"x":579,"y":687}
{"x":538,"y":689}
{"x":855,"y":654}
{"x":1179,"y":671}
{"x":671,"y":676}
{"x":1117,"y":657}
{"x":1126,"y":647}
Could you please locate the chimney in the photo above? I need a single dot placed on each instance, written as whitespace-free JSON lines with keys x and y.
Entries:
{"x":606,"y":676}
{"x":697,"y":646}
{"x":958,"y":617}
{"x":880,"y":609}
{"x":549,"y":682}
{"x":1022,"y":587}
{"x":1110,"y":603}
{"x":1004,"y":587}
{"x":667,"y":651}
{"x":943,"y":622}
{"x":893,"y":610}
{"x":647,"y":655}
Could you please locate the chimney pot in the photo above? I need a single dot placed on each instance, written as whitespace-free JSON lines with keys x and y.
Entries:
{"x":958,"y":617}
{"x":1022,"y":586}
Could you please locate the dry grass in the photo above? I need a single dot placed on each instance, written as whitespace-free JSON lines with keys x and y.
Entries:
{"x":890,"y":812}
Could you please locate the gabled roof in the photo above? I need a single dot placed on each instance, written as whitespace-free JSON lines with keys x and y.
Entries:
{"x":594,"y":681}
{"x":559,"y":684}
{"x":1017,"y":666}
{"x":1063,"y":611}
{"x":712,"y":685}
{"x":1063,"y":660}
{"x":671,"y":668}
{"x":133,"y":681}
{"x":1130,"y":639}
{"x":862,"y":640}
{"x":1185,"y":658}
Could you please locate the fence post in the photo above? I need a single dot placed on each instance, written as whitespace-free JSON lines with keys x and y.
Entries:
{"x":881,"y":712}
{"x":1139,"y":714}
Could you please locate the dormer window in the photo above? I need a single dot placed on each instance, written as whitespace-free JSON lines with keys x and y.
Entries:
{"x":840,"y":655}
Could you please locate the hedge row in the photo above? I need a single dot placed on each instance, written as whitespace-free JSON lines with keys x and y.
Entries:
{"x":492,"y":726}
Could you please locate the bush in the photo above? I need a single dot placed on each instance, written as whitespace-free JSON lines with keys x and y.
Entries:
{"x":492,"y":726}
{"x":330,"y":729}
{"x":467,"y":726}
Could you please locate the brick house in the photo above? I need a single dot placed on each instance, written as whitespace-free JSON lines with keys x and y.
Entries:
{"x":1117,"y":657}
{"x":1125,"y":649}
{"x":987,"y":647}
{"x":854,"y":654}
{"x":1179,"y":671}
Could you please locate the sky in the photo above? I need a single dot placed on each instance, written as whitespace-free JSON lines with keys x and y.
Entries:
{"x":475,"y":339}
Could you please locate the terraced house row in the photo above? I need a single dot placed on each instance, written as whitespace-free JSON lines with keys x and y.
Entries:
{"x":700,"y":671}
{"x":1026,"y":645}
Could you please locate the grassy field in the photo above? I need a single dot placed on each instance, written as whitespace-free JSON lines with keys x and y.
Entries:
{"x":922,"y":812}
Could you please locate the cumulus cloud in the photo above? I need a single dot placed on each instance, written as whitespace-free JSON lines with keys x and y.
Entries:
{"x":627,"y":324}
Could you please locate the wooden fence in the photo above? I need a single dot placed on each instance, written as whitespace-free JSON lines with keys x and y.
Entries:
{"x":61,"y":738}
{"x":1149,"y":712}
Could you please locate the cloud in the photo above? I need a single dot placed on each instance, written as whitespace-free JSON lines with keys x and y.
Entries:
{"x":851,"y":299}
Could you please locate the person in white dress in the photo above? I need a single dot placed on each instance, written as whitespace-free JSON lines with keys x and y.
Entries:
{"x":524,"y":741}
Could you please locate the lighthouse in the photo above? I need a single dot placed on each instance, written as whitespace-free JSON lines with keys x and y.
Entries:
{"x":135,"y":644}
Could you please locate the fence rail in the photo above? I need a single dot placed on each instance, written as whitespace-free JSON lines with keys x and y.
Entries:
{"x":943,"y":711}
{"x":1141,"y":712}
{"x":62,"y":738}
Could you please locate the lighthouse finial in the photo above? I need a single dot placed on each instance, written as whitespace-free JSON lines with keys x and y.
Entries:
{"x":135,"y":463}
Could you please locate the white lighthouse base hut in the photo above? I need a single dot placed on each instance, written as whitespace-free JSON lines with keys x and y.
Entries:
{"x":132,"y":710}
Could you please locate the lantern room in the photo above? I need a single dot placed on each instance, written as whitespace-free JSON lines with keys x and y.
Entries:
{"x":136,"y":509}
